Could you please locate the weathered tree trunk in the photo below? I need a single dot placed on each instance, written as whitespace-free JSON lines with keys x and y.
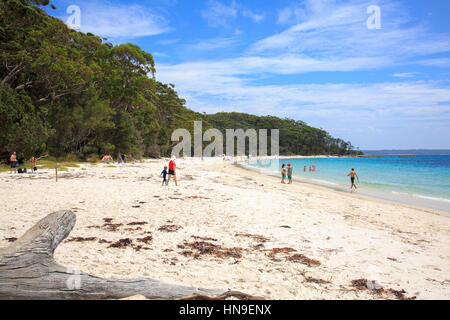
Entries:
{"x":28,"y":271}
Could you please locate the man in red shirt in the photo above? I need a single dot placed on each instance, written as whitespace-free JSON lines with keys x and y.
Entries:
{"x":172,"y":171}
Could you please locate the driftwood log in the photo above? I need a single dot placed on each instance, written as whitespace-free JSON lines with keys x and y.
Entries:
{"x":29,"y":271}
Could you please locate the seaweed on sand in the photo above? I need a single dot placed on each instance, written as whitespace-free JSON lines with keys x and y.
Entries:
{"x":146,"y":240}
{"x":315,"y":280}
{"x":81,"y":239}
{"x":284,"y":250}
{"x":170,"y":228}
{"x":138,"y":223}
{"x":300,"y":258}
{"x":112,"y":226}
{"x":199,"y":248}
{"x":203,"y":238}
{"x":256,"y":237}
{"x":122,"y":243}
{"x":361,"y":284}
{"x":273,"y":252}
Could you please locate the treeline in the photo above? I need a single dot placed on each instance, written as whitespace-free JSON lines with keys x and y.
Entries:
{"x":296,"y":137}
{"x":64,"y":92}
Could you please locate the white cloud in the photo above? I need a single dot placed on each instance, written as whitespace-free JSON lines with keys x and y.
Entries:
{"x":218,"y":14}
{"x":212,"y":44}
{"x":254,"y":16}
{"x":255,"y":66}
{"x":291,"y":15}
{"x":325,"y":36}
{"x":160,"y":55}
{"x":326,"y":28}
{"x":344,"y":109}
{"x":227,"y":85}
{"x":404,"y":74}
{"x":434,"y":62}
{"x":120,"y":21}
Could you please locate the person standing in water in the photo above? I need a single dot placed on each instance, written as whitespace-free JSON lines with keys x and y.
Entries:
{"x":352,"y":176}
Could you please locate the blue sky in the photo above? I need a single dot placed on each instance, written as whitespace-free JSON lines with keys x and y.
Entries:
{"x":310,"y":60}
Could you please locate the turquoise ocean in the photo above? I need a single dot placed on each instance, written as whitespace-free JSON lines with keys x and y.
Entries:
{"x":422,"y":180}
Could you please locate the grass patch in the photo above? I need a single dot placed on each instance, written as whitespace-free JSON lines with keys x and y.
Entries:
{"x":70,"y":164}
{"x":51,"y":164}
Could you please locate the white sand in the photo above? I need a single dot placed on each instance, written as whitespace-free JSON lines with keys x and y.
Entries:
{"x":352,"y":236}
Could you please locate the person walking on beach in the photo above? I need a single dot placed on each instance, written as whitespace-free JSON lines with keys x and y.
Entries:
{"x":164,"y":175}
{"x":352,"y":176}
{"x":304,"y":169}
{"x":283,"y":173}
{"x":13,"y":162}
{"x":172,"y":171}
{"x":289,"y":173}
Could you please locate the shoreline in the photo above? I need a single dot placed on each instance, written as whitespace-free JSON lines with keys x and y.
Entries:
{"x":311,"y":183}
{"x":424,"y":202}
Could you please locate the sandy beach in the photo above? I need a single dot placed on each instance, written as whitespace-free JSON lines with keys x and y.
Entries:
{"x":225,"y":227}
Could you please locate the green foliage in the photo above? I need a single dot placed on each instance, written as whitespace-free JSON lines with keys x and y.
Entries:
{"x":296,"y":137}
{"x":68,"y":93}
{"x":23,"y":127}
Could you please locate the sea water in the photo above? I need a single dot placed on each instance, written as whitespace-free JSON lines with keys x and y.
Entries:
{"x":412,"y":179}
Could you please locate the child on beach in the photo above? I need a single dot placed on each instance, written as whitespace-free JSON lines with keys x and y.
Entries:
{"x":164,"y":175}
{"x":289,"y":173}
{"x":283,"y":173}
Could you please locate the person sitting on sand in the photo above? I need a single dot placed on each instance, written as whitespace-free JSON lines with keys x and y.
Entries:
{"x":283,"y":173}
{"x":352,"y":175}
{"x":164,"y":175}
{"x":107,"y":159}
{"x":172,"y":171}
{"x":13,"y":162}
{"x":289,"y":172}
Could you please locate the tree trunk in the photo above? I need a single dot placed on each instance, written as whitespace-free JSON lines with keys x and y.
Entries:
{"x":29,"y":271}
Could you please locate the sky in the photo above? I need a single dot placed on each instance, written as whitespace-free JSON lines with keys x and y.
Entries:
{"x":372,"y":72}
